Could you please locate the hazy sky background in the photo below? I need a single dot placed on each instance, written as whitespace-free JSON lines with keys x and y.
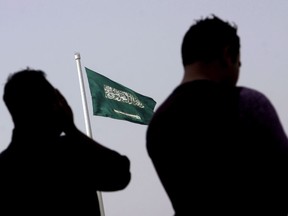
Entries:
{"x":136,"y":43}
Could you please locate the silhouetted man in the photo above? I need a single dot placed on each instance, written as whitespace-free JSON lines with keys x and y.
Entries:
{"x":51,"y":167}
{"x":218,"y":149}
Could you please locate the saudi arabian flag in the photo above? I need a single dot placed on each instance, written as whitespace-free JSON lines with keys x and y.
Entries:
{"x":111,"y":99}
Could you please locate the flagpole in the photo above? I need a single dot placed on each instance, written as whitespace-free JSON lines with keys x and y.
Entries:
{"x":86,"y":116}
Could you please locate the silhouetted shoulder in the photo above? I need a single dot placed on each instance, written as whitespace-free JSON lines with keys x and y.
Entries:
{"x":259,"y":113}
{"x":251,"y":99}
{"x":252,"y":94}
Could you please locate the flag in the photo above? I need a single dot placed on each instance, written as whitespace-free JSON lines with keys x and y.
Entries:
{"x":111,"y":99}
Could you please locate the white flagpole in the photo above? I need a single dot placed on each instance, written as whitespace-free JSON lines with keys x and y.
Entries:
{"x":86,"y":116}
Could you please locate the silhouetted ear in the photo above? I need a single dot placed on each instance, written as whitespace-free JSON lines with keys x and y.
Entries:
{"x":224,"y":57}
{"x":227,"y":57}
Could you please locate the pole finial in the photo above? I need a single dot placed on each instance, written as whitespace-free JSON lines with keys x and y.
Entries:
{"x":77,"y":56}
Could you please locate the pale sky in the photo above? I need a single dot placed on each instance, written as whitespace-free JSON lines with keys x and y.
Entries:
{"x":136,"y":43}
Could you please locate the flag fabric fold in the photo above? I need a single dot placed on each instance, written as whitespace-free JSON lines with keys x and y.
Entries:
{"x":111,"y":99}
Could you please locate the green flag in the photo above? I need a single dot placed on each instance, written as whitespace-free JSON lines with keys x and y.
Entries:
{"x":111,"y":99}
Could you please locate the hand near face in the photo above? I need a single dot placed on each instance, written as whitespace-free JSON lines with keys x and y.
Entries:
{"x":64,"y":113}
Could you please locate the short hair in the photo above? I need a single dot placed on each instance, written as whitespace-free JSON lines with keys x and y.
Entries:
{"x":28,"y":92}
{"x":206,"y":39}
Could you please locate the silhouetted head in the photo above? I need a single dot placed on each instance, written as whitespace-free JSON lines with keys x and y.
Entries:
{"x":211,"y":40}
{"x":31,"y":100}
{"x":207,"y":38}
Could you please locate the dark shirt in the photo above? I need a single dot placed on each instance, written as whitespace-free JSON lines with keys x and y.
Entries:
{"x":42,"y":176}
{"x":220,"y":150}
